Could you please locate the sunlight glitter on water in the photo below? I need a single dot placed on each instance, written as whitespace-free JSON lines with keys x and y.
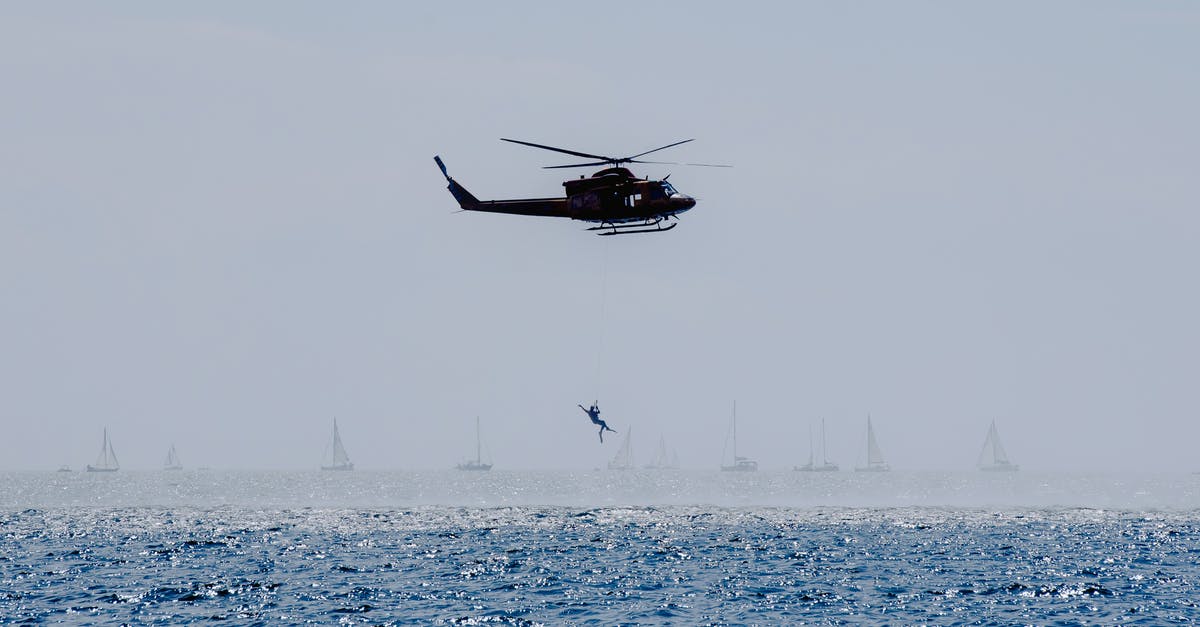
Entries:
{"x":547,"y":548}
{"x":555,"y":565}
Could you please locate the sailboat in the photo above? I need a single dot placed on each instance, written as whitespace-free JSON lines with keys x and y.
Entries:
{"x":740,"y":464}
{"x":107,"y":461}
{"x":811,"y":466}
{"x":663,"y":461}
{"x":341,"y":461}
{"x":875,"y":461}
{"x":477,"y":463}
{"x":623,"y":460}
{"x":993,"y":458}
{"x":172,"y":462}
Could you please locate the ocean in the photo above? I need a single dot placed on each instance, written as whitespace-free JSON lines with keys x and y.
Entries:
{"x":636,"y":547}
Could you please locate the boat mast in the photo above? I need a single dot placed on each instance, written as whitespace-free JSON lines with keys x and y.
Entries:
{"x":874,"y":454}
{"x":869,"y":460}
{"x":109,"y":452}
{"x":108,"y":457}
{"x":993,"y":439}
{"x":810,"y":446}
{"x":478,"y":446}
{"x":999,"y":456}
{"x":735,"y":455}
{"x":824,"y":456}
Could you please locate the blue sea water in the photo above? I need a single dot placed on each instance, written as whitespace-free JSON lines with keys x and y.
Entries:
{"x":598,"y":548}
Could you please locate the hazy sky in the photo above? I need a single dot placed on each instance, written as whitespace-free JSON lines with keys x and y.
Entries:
{"x":221,"y":226}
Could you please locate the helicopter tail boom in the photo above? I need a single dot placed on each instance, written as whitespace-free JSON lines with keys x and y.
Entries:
{"x":549,"y":207}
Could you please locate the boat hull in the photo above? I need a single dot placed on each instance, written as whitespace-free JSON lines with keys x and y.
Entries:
{"x":1000,"y":468}
{"x":473,"y":467}
{"x":339,"y":467}
{"x":824,"y":468}
{"x":95,"y":469}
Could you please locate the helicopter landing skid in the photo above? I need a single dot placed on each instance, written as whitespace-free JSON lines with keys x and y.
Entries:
{"x":629,"y":229}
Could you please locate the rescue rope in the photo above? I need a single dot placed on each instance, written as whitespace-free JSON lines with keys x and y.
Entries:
{"x":603,"y":306}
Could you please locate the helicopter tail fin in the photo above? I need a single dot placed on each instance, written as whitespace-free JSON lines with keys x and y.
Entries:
{"x":465,"y":199}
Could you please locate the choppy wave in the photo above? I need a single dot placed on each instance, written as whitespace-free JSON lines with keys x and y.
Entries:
{"x":567,"y":564}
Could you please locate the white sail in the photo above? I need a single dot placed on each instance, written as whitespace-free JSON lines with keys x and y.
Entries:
{"x":993,"y":455}
{"x":999,"y":456}
{"x":107,"y":460}
{"x":874,"y":454}
{"x":341,"y":461}
{"x":660,"y":454}
{"x":172,"y":462}
{"x":662,"y":459}
{"x":623,"y":460}
{"x":809,"y":467}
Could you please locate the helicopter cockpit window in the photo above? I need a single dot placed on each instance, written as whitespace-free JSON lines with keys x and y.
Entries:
{"x":667,"y":189}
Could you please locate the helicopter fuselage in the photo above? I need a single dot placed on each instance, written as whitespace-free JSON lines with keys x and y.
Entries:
{"x":610,"y":196}
{"x":615,"y":195}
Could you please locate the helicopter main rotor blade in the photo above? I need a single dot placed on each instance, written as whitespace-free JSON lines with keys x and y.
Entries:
{"x":596,"y":163}
{"x":604,"y":160}
{"x":703,"y":165}
{"x":562,"y":150}
{"x":657,"y":149}
{"x":577,"y":165}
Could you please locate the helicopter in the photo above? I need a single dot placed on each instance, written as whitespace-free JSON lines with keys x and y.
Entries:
{"x":616,"y":200}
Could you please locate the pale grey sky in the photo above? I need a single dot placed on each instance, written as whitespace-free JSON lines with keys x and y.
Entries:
{"x":221,"y":226}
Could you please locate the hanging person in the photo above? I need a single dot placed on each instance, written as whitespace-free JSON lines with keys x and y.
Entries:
{"x":593,"y":412}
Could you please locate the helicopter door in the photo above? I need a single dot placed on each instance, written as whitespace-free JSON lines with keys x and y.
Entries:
{"x":587,"y":201}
